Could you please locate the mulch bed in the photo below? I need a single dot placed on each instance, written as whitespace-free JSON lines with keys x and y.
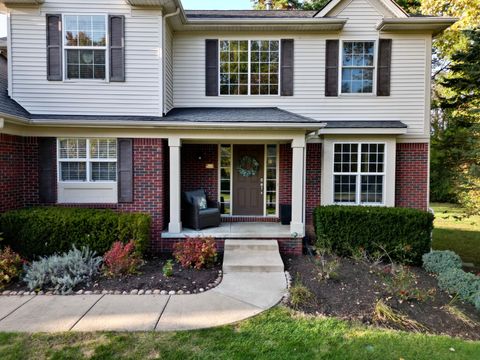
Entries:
{"x":150,"y":277}
{"x":353,"y":293}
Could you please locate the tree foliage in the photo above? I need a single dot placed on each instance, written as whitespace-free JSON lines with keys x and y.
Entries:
{"x":291,"y":4}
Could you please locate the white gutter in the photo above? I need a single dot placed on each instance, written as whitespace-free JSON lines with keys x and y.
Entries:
{"x":163,"y":72}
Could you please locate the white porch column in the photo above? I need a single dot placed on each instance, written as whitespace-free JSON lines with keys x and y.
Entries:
{"x":175,"y":224}
{"x":298,"y":187}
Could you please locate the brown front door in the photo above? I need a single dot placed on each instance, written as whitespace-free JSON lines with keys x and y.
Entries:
{"x":247,"y":190}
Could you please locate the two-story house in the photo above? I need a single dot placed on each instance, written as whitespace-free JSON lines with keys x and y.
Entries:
{"x":124,"y":104}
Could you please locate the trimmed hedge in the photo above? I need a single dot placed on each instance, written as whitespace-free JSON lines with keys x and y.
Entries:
{"x":404,"y":233}
{"x":44,"y":231}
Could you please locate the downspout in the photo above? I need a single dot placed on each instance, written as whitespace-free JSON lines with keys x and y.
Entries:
{"x":164,"y":24}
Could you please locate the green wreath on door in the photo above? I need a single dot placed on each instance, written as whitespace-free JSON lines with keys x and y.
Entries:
{"x":248,"y":166}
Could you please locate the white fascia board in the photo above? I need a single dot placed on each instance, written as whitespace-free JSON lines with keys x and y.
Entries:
{"x":362,"y":131}
{"x":433,"y":24}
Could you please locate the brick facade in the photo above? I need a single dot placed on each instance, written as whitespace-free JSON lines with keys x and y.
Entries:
{"x":19,"y":172}
{"x":411,"y":180}
{"x":193,"y":171}
{"x":313,"y":183}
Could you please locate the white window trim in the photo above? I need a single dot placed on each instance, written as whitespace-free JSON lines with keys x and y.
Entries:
{"x":220,"y":176}
{"x":265,"y":178}
{"x":88,"y":160}
{"x":66,"y":47}
{"x":359,"y":173}
{"x":340,"y":67}
{"x":249,"y":67}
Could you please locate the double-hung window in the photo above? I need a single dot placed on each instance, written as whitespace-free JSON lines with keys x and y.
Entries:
{"x":85,"y":41}
{"x":359,"y":173}
{"x":358,"y":67}
{"x":87,"y":160}
{"x":249,"y":67}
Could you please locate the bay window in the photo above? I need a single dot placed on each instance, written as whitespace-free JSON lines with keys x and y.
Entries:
{"x":87,"y":160}
{"x":359,"y":173}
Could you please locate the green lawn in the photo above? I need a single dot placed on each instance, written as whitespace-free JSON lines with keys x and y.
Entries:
{"x":462,"y":236}
{"x":276,"y":334}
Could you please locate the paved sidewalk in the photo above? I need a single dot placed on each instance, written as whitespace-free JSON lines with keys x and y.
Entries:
{"x":239,"y":296}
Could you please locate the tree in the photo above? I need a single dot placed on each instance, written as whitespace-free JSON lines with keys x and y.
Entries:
{"x":291,"y":4}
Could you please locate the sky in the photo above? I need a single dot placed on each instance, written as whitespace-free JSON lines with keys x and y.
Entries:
{"x":187,"y":4}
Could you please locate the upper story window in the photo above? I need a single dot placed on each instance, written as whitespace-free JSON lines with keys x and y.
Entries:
{"x":359,"y":173}
{"x":87,"y":160}
{"x":357,"y":67}
{"x":249,"y":67}
{"x":85,"y":46}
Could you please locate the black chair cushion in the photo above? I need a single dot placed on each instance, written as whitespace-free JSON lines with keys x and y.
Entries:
{"x":191,"y":195}
{"x":209,"y":211}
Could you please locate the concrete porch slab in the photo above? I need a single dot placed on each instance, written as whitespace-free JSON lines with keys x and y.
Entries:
{"x":123,"y":313}
{"x":8,"y":304}
{"x":210,"y":309}
{"x":49,"y":313}
{"x":237,"y":230}
{"x":262,"y":290}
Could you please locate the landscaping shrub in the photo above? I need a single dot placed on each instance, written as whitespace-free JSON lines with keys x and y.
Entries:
{"x":63,"y":272}
{"x":403,"y":234}
{"x":47,"y":230}
{"x":121,"y":259}
{"x":167,"y":269}
{"x":438,"y":261}
{"x":197,"y":252}
{"x":456,"y":281}
{"x":10,"y":266}
{"x":476,"y":301}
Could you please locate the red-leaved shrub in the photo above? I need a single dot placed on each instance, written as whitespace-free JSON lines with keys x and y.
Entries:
{"x":10,"y":266}
{"x":198,"y":252}
{"x":121,"y":259}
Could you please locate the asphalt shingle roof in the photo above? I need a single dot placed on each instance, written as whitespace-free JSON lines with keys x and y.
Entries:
{"x":7,"y":105}
{"x":249,"y":14}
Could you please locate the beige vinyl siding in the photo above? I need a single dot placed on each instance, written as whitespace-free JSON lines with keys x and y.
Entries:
{"x":141,"y":93}
{"x":168,"y":68}
{"x":362,"y":17}
{"x":408,"y":82}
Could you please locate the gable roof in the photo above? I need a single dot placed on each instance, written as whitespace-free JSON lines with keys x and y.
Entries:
{"x":389,"y":5}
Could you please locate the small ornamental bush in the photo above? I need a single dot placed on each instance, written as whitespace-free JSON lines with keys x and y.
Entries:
{"x":476,"y":301}
{"x":10,"y":266}
{"x":403,"y":283}
{"x":121,"y":259}
{"x":197,"y":252}
{"x":403,"y":234}
{"x":167,"y":269}
{"x":437,"y":261}
{"x":456,"y":281}
{"x":64,"y":272}
{"x":43,"y":231}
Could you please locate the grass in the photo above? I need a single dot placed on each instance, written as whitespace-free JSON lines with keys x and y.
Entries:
{"x":461,"y":236}
{"x":276,"y":334}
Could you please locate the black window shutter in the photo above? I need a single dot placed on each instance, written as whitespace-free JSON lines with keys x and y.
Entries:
{"x":384,"y":67}
{"x":125,"y":170}
{"x":54,"y":47}
{"x":331,"y":68}
{"x":116,"y":30}
{"x":211,"y":67}
{"x":47,"y":177}
{"x":286,"y":64}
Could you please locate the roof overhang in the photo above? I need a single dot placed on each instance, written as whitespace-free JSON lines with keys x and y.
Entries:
{"x":374,"y":127}
{"x":9,"y":3}
{"x":413,"y":24}
{"x":151,"y":124}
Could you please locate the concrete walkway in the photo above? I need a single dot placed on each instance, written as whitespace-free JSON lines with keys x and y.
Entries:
{"x":240,"y":295}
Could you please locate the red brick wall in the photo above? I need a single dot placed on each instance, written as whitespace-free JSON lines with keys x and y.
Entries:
{"x":312,"y":183}
{"x":18,"y":172}
{"x":285,"y":174}
{"x":411,"y":183}
{"x":194,"y":174}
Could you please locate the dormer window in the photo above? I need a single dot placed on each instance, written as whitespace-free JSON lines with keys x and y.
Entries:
{"x":358,"y":65}
{"x":249,"y":67}
{"x":85,"y":46}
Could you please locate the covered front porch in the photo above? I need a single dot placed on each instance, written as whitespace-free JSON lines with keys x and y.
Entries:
{"x":250,"y":168}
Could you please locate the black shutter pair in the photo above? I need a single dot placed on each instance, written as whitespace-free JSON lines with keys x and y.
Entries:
{"x":116,"y":33}
{"x":286,"y":67}
{"x":48,"y":178}
{"x":384,"y":62}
